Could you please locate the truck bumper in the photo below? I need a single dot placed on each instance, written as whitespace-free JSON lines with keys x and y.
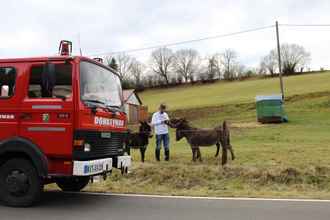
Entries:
{"x":92,"y":167}
{"x":123,"y":162}
{"x":101,"y":166}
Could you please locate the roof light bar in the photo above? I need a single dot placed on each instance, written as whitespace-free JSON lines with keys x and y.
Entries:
{"x":65,"y":48}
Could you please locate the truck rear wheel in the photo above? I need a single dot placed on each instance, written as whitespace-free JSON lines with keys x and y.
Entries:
{"x":73,"y":184}
{"x":20,"y":184}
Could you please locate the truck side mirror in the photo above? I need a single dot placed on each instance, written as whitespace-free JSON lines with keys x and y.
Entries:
{"x":48,"y":80}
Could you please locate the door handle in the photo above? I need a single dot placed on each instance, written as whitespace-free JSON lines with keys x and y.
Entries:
{"x":25,"y":116}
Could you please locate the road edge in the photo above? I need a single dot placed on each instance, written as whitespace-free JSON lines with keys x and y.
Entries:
{"x":197,"y":197}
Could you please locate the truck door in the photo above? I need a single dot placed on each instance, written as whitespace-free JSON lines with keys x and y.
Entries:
{"x":8,"y":101}
{"x":47,"y":109}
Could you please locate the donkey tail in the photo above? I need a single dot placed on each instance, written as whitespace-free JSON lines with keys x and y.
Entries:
{"x":225,"y":142}
{"x":218,"y":149}
{"x":226,"y":131}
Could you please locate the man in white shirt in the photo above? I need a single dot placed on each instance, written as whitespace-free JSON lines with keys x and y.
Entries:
{"x":160,"y":121}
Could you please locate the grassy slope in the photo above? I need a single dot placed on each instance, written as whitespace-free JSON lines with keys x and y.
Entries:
{"x":231,"y":93}
{"x":282,"y":160}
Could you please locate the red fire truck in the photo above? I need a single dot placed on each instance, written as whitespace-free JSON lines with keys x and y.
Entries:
{"x":61,"y":121}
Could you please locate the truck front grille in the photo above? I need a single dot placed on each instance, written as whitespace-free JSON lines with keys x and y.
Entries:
{"x":109,"y":145}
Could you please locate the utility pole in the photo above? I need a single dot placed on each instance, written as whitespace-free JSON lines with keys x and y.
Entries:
{"x":279,"y":59}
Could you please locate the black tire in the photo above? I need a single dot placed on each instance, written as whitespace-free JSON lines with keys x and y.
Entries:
{"x":20,"y":184}
{"x":73,"y":184}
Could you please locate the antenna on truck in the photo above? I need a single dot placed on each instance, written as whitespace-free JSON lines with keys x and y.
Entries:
{"x":79,"y":44}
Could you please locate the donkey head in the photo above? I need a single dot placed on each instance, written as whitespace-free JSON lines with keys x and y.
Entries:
{"x":181,"y":125}
{"x":178,"y":122}
{"x":145,"y":128}
{"x":173,"y":122}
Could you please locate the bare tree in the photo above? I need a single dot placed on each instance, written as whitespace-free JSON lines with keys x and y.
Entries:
{"x":215,"y":65}
{"x":240,"y":71}
{"x":112,"y":63}
{"x":294,"y":58}
{"x":123,"y":63}
{"x":186,"y":63}
{"x":211,"y":68}
{"x":269,"y":63}
{"x":229,"y":59}
{"x":218,"y":64}
{"x":149,"y":80}
{"x":137,"y":69}
{"x":162,"y":62}
{"x":261,"y":70}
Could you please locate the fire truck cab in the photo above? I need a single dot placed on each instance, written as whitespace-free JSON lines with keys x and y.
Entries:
{"x":61,"y":121}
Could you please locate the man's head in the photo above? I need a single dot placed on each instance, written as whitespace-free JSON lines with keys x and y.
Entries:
{"x":162,"y":108}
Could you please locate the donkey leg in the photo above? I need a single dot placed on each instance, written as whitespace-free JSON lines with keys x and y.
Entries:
{"x":218,"y":149}
{"x":224,"y":156}
{"x":142,"y":151}
{"x":199,"y":155}
{"x":232,"y":152}
{"x":193,"y":154}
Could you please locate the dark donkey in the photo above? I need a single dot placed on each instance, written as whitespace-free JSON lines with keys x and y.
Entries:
{"x":139,"y":140}
{"x":198,"y":137}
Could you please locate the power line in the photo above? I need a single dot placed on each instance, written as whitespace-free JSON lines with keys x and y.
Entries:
{"x":305,"y":25}
{"x":206,"y":38}
{"x":184,"y":42}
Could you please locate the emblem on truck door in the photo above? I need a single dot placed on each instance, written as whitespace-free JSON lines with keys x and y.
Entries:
{"x":45,"y":117}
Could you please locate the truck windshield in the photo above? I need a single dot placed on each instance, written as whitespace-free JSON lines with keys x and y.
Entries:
{"x":99,"y":85}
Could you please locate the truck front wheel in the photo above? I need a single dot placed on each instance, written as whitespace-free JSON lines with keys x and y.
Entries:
{"x":20,"y":184}
{"x":73,"y":184}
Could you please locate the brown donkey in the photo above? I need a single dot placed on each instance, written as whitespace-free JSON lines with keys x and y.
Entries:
{"x":202,"y":137}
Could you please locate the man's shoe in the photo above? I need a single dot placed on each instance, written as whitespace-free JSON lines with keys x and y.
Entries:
{"x":167,"y":155}
{"x":157,"y":154}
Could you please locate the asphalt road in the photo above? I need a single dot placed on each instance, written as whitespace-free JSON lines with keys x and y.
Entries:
{"x":64,"y":206}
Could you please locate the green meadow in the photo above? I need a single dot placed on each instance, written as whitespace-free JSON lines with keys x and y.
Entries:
{"x":289,"y":160}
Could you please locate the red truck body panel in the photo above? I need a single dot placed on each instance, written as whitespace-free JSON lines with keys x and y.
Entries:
{"x":51,"y":123}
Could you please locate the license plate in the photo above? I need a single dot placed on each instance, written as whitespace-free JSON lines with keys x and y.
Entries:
{"x":93,"y":168}
{"x":105,"y":135}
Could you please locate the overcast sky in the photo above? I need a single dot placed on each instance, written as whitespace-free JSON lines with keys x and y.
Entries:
{"x":34,"y":28}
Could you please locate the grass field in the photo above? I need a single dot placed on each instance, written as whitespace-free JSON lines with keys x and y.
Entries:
{"x":273,"y":160}
{"x":222,"y":93}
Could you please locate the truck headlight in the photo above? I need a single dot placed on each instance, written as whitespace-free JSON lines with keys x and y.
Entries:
{"x":87,"y":147}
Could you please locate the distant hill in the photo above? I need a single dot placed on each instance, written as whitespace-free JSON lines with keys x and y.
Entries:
{"x":221,"y":93}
